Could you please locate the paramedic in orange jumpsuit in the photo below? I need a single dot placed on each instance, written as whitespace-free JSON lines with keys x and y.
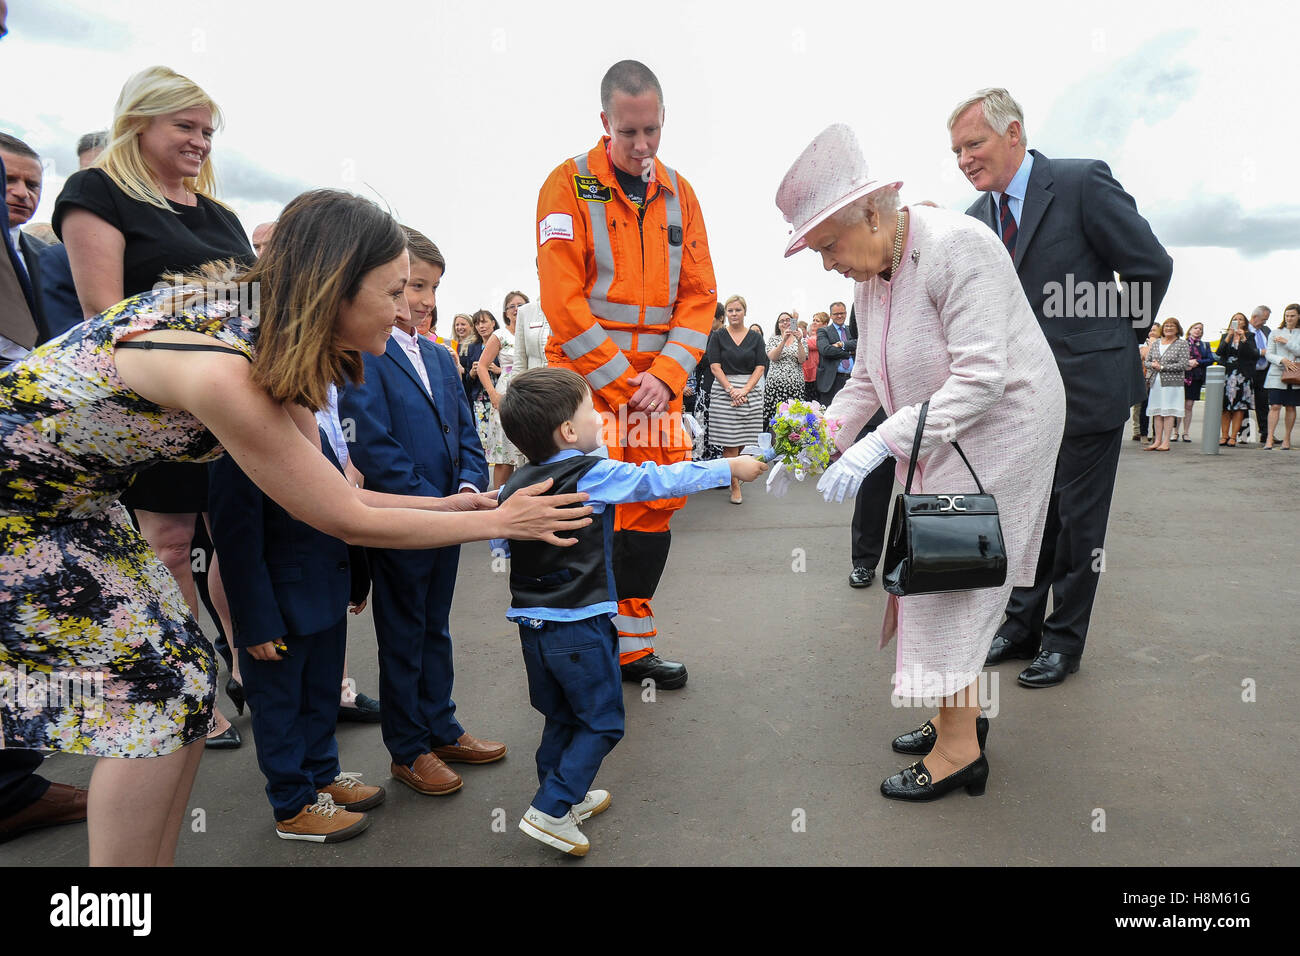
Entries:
{"x":628,"y":286}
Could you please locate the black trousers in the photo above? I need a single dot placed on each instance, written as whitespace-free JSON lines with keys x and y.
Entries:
{"x":20,"y":785}
{"x":871,"y":509}
{"x":1072,"y":557}
{"x":826,"y":397}
{"x":1261,"y":402}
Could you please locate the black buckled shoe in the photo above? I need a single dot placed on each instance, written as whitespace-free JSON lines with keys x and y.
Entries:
{"x":1048,"y":670}
{"x":365,"y":711}
{"x":230,"y":740}
{"x":1005,"y":649}
{"x":921,"y":740}
{"x":861,"y":577}
{"x":667,"y":675}
{"x":914,"y":782}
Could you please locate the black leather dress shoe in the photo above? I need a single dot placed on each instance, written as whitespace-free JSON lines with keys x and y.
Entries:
{"x":667,"y":675}
{"x":914,"y":783}
{"x":366,"y":711}
{"x":1004,"y":649}
{"x":230,"y":740}
{"x":921,"y":740}
{"x":861,"y":577}
{"x":1048,"y":670}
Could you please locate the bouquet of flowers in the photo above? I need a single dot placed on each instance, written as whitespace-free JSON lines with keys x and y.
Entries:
{"x":802,"y":441}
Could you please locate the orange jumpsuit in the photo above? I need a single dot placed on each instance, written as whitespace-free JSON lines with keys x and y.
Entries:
{"x":628,"y":291}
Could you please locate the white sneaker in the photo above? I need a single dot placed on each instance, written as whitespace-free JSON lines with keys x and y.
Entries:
{"x":596,"y":801}
{"x":559,"y":832}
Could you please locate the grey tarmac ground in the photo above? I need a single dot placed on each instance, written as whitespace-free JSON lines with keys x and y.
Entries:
{"x":774,"y":751}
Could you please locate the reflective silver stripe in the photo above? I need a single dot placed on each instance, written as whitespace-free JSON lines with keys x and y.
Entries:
{"x":609,"y":372}
{"x":645,"y":341}
{"x":619,"y":312}
{"x":674,"y":209}
{"x":658,"y":315}
{"x":600,"y":246}
{"x":679,"y":355}
{"x":588,"y":341}
{"x":634,"y":625}
{"x":689,"y":337}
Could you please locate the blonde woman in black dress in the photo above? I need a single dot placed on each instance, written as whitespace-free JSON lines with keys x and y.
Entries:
{"x":738,"y":361}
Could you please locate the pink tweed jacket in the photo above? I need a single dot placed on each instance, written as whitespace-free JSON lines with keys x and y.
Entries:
{"x":954,"y":327}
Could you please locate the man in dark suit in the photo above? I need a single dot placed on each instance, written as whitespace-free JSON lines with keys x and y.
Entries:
{"x":835,"y":350}
{"x":410,"y":432}
{"x":1069,"y":228}
{"x":1259,"y":328}
{"x":45,"y":264}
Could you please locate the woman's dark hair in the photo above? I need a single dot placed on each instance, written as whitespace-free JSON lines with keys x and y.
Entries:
{"x":776,"y":329}
{"x":491,"y":318}
{"x":324,"y":243}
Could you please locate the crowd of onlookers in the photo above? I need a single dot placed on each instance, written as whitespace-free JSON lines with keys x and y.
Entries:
{"x":1262,"y":376}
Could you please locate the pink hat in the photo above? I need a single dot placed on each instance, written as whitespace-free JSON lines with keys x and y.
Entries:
{"x":827,"y":176}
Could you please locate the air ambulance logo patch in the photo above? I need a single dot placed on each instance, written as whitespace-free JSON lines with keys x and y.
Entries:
{"x":590,"y":189}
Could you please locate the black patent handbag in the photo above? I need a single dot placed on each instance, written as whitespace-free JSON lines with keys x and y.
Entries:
{"x":940,"y":543}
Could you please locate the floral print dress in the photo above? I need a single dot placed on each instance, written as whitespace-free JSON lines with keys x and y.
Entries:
{"x":99,"y":654}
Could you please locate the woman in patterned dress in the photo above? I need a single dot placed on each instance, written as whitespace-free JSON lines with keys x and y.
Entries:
{"x":786,"y":351}
{"x":162,"y":376}
{"x":1238,"y":354}
{"x":499,"y":350}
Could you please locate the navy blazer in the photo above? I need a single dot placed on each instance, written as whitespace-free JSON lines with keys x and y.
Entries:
{"x":56,"y":295}
{"x":282,"y":576}
{"x":1078,"y":228}
{"x":830,"y":354}
{"x":405,"y":442}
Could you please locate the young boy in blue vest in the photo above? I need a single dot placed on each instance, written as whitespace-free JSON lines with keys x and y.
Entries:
{"x":563,"y":599}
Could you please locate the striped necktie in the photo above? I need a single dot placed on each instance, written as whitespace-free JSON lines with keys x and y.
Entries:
{"x":1008,"y":226}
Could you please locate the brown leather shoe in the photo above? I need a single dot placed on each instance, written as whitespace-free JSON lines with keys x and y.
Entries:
{"x":430,"y":776}
{"x":322,"y":822}
{"x":60,"y":804}
{"x":469,"y":749}
{"x":350,"y":793}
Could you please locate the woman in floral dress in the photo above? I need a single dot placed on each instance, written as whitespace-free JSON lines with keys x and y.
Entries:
{"x":787,"y":351}
{"x":84,"y":602}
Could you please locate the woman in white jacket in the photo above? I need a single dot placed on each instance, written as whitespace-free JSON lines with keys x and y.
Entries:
{"x":1283,"y":354}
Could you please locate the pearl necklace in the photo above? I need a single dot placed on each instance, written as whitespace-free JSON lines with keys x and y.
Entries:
{"x":898,"y":244}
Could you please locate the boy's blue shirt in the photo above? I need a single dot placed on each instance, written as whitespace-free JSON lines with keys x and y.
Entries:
{"x":619,"y":483}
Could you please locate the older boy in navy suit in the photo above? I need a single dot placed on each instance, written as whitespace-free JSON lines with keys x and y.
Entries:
{"x":410,"y":431}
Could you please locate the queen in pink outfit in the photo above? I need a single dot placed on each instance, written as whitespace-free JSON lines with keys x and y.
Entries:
{"x":941,"y":317}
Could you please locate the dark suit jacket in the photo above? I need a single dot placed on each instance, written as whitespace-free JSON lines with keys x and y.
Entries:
{"x":56,"y":295}
{"x":830,"y":354}
{"x":1078,"y":228}
{"x":403,"y":441}
{"x":282,"y":576}
{"x":24,"y":280}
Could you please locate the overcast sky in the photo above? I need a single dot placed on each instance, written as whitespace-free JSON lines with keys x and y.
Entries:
{"x":452,"y":115}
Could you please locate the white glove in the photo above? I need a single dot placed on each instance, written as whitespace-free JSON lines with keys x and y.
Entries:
{"x":843,"y":478}
{"x":778,"y":480}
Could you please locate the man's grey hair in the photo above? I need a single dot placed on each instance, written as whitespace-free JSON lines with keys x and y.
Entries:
{"x":631,"y":77}
{"x":96,"y":140}
{"x":1261,"y":311}
{"x":1000,"y":109}
{"x":12,"y":144}
{"x":883,"y":201}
